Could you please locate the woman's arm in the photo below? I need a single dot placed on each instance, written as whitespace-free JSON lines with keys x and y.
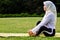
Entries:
{"x":43,"y":22}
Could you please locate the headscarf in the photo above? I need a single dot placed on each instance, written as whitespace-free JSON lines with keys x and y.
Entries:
{"x":51,"y":8}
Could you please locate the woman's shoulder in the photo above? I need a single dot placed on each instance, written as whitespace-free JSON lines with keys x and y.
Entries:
{"x":51,"y":14}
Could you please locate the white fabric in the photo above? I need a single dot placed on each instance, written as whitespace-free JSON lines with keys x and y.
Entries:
{"x":51,"y":7}
{"x":49,"y":19}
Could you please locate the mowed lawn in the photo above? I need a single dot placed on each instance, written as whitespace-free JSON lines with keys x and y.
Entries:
{"x":17,"y":25}
{"x":30,"y":38}
{"x":22,"y":25}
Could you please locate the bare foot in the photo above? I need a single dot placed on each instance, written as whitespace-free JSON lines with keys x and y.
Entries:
{"x":31,"y":33}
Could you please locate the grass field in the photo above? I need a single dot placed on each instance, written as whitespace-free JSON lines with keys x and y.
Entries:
{"x":30,"y":38}
{"x":22,"y":25}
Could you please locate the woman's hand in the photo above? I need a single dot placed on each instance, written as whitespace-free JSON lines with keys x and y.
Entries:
{"x":31,"y":33}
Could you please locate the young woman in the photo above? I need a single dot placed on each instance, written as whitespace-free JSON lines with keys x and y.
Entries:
{"x":47,"y":25}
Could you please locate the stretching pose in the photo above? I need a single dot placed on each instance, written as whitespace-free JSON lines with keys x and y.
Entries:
{"x":47,"y":25}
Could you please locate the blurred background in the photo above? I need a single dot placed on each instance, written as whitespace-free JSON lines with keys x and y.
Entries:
{"x":24,"y":8}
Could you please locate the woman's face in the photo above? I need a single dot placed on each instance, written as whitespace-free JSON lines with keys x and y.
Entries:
{"x":44,"y":7}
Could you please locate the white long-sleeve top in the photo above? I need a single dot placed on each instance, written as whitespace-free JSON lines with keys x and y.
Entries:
{"x":47,"y":21}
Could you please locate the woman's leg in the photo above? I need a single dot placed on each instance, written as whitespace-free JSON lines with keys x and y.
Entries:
{"x":43,"y":28}
{"x":47,"y":34}
{"x":46,"y":31}
{"x":49,"y":30}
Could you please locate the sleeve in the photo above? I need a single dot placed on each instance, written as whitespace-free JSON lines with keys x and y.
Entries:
{"x":43,"y":22}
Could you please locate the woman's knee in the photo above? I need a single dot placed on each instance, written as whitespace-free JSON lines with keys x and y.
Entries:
{"x":38,"y":22}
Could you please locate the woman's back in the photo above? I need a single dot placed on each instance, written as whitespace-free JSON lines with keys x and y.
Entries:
{"x":51,"y":18}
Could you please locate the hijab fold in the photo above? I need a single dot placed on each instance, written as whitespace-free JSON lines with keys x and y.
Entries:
{"x":50,"y":8}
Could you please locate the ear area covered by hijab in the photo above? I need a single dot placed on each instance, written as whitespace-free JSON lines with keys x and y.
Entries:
{"x":50,"y":5}
{"x":51,"y":8}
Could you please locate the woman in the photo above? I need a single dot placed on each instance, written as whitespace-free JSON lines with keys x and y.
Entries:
{"x":47,"y":25}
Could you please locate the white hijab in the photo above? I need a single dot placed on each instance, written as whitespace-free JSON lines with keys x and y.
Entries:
{"x":50,"y":8}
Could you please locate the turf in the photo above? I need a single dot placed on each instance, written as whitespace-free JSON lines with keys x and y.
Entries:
{"x":21,"y":25}
{"x":30,"y":38}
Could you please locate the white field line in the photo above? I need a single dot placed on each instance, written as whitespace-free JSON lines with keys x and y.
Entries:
{"x":21,"y":34}
{"x":13,"y":34}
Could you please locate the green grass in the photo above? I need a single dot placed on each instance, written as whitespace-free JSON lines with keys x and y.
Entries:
{"x":17,"y":25}
{"x":30,"y":38}
{"x":21,"y":25}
